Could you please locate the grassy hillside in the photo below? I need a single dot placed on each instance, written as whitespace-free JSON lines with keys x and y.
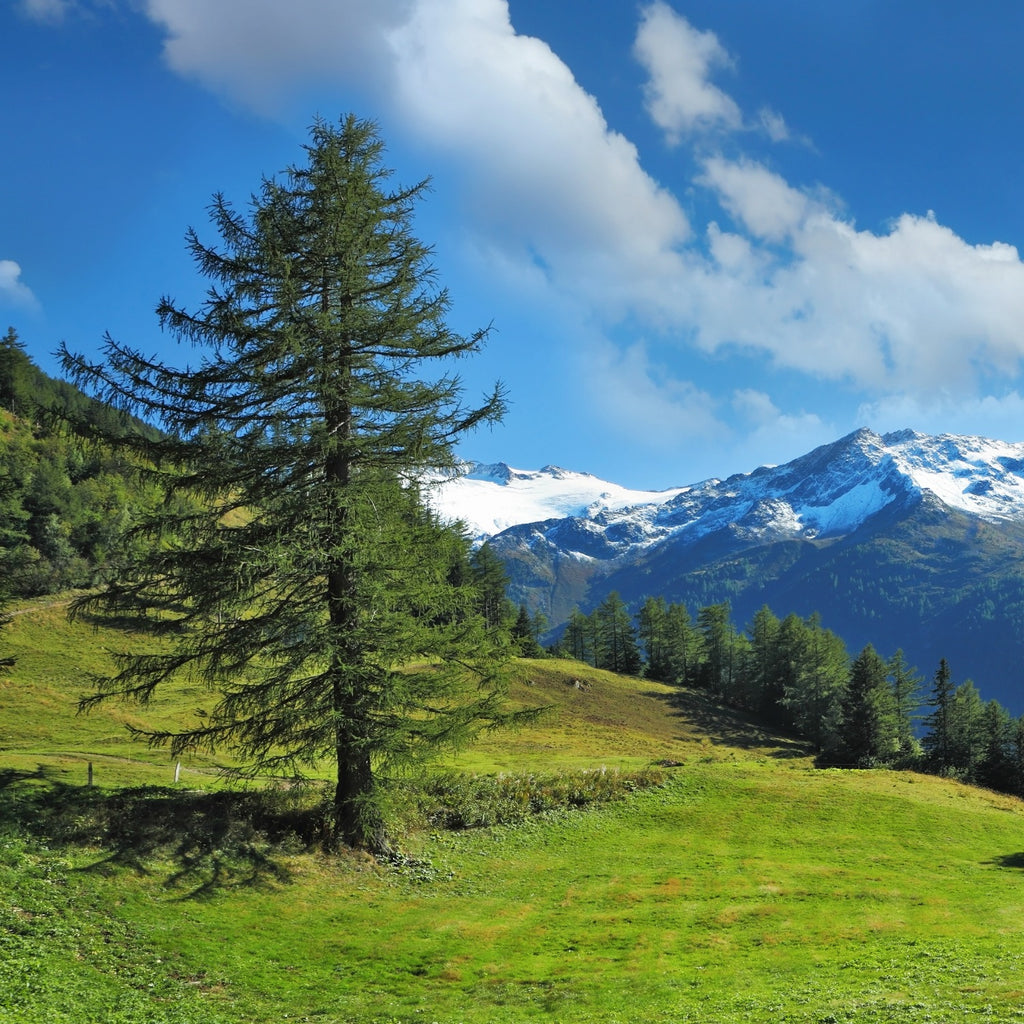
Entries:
{"x":749,"y":886}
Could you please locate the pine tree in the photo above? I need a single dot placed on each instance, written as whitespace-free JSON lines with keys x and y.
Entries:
{"x":869,"y":723}
{"x":682,"y":643}
{"x":16,"y":376}
{"x":717,"y":648}
{"x":652,"y":630}
{"x":995,"y":766}
{"x":306,"y":581}
{"x":576,"y":641}
{"x":816,"y":665}
{"x":906,"y":691}
{"x":764,"y":669}
{"x":491,"y":579}
{"x":967,"y":746}
{"x":524,"y":636}
{"x":938,"y":741}
{"x":616,"y":646}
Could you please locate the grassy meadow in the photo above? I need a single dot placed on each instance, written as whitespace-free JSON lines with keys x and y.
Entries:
{"x":746,"y":885}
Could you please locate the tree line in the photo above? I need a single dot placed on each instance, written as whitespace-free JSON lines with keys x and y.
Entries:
{"x":795,"y":674}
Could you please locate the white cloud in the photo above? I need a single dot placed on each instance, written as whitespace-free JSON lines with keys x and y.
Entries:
{"x":552,"y":190}
{"x":545,"y":174}
{"x":262,"y":51}
{"x":545,"y":178}
{"x":915,"y":308}
{"x":679,"y":59}
{"x":48,"y":11}
{"x":773,"y":125}
{"x":645,"y":401}
{"x":12,"y":289}
{"x":765,"y":205}
{"x":997,"y":416}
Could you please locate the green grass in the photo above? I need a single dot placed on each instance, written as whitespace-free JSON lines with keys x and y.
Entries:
{"x":748,"y":886}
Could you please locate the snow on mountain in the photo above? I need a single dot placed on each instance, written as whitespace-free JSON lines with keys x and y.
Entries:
{"x":492,"y":498}
{"x":828,"y":492}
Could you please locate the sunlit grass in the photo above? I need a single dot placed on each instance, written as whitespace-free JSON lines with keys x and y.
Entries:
{"x":748,"y":886}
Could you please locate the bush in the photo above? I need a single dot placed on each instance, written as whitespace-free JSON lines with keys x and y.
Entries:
{"x":456,"y":801}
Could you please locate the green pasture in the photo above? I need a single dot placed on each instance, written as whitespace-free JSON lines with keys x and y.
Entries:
{"x":747,"y":886}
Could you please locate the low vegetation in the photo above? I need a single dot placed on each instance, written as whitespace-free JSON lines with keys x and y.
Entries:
{"x":732,"y":881}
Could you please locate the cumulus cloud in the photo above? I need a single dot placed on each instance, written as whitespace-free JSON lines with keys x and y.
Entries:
{"x":914,"y":308}
{"x":762,"y":202}
{"x":13,"y":290}
{"x":553,"y":190}
{"x":679,"y":59}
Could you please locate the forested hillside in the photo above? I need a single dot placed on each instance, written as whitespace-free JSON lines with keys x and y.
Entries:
{"x":65,"y":501}
{"x":856,"y":711}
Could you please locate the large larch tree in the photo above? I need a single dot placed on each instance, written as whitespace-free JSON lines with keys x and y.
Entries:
{"x":308,"y":584}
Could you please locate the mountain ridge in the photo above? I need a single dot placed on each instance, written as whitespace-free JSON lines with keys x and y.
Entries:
{"x":901,"y":540}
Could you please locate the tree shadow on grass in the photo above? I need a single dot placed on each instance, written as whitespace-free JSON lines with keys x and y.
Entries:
{"x":1010,"y":860}
{"x":201,"y":842}
{"x":727,"y":727}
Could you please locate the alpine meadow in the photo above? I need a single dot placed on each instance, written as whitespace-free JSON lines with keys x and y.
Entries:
{"x":287,"y":734}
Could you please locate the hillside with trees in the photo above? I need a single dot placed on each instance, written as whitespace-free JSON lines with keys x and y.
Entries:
{"x":796,"y":675}
{"x":66,"y":500}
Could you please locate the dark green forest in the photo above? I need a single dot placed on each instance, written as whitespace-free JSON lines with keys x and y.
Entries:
{"x":862,"y":711}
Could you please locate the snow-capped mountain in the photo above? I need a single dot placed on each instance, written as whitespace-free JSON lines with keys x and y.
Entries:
{"x":491,"y":498}
{"x":904,"y":540}
{"x":829,"y":492}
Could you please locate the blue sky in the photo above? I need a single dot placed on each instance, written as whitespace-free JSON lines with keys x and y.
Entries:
{"x":708,"y":234}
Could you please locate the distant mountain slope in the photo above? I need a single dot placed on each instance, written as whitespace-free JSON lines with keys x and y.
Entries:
{"x":903,"y":540}
{"x":492,"y":498}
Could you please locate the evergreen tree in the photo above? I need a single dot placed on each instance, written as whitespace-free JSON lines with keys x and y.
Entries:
{"x":764,"y":669}
{"x":16,"y":376}
{"x":652,"y":631}
{"x":906,"y":693}
{"x":576,"y":641}
{"x":616,"y":647}
{"x":682,"y":643}
{"x":995,"y":767}
{"x":308,"y":586}
{"x":869,"y":723}
{"x":491,"y":580}
{"x":815,"y":679}
{"x":524,"y":636}
{"x":938,"y":741}
{"x":1016,"y":755}
{"x":717,"y":635}
{"x":967,"y":734}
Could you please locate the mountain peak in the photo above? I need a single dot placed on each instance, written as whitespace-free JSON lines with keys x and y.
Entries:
{"x":827,"y":492}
